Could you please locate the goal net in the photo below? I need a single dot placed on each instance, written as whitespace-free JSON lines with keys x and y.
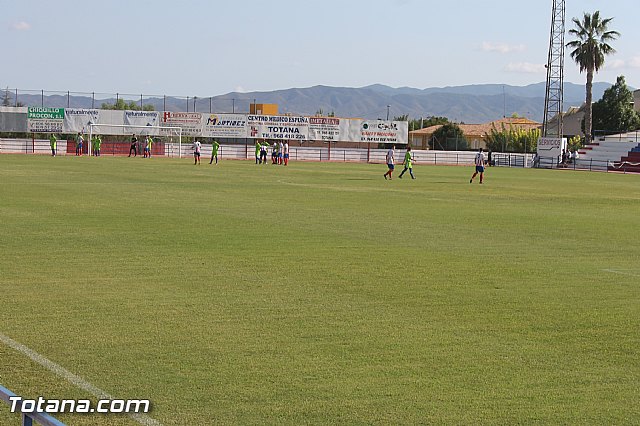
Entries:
{"x":118,"y":139}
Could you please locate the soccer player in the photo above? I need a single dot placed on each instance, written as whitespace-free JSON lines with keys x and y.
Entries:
{"x":286,"y":152}
{"x":280,"y":154}
{"x":274,"y":153}
{"x":479,"y":160}
{"x":147,"y":146}
{"x":196,"y":152}
{"x":134,"y":146}
{"x":263,"y":152}
{"x":98,"y":145}
{"x":214,"y":151}
{"x":391,"y":158}
{"x":79,"y":141}
{"x":408,"y":163}
{"x":258,"y":145}
{"x":53,"y":141}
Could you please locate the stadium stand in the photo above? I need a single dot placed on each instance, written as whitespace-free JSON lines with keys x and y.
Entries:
{"x":602,"y":154}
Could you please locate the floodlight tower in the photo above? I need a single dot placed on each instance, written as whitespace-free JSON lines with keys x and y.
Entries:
{"x":552,"y":124}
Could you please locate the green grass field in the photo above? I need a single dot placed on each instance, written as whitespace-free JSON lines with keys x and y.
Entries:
{"x":321,"y":293}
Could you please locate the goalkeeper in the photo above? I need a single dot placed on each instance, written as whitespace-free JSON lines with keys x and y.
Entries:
{"x":134,"y":146}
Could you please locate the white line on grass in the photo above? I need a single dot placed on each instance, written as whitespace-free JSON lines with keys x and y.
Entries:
{"x":622,"y":272}
{"x":76,"y":380}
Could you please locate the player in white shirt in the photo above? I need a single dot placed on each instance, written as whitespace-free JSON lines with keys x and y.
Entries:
{"x":196,"y":152}
{"x":391,"y":159}
{"x":286,"y":152}
{"x":479,"y":160}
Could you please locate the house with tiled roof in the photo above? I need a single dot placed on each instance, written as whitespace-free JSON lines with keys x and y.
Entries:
{"x":571,"y":121}
{"x":475,"y":134}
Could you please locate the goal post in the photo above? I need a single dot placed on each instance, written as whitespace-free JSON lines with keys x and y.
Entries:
{"x":128,"y":129}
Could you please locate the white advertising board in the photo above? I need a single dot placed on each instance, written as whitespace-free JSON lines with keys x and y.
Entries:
{"x":279,"y":127}
{"x":224,"y":125}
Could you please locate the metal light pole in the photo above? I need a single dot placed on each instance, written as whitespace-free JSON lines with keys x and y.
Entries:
{"x":388,"y":106}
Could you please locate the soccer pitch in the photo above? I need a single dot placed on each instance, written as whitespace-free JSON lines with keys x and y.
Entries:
{"x":320,"y":293}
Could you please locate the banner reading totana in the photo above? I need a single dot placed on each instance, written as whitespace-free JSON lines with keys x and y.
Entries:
{"x":238,"y":126}
{"x":331,"y":129}
{"x":278,"y":127}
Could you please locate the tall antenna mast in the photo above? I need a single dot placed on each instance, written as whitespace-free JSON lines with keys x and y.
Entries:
{"x":551,"y":127}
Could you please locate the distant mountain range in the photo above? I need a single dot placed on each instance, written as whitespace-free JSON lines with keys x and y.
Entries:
{"x":466,"y":104}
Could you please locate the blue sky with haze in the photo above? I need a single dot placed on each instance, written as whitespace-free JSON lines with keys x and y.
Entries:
{"x":208,"y":48}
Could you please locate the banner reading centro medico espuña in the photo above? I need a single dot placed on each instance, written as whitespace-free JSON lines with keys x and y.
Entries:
{"x":280,"y":127}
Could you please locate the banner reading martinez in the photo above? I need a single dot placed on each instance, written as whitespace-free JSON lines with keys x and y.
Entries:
{"x":224,"y":125}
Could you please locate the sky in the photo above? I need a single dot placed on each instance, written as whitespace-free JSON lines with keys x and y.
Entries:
{"x":210,"y":48}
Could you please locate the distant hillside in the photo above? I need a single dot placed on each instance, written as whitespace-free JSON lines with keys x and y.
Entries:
{"x":469,"y":104}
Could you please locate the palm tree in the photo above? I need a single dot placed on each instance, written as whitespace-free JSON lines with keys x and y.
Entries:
{"x":590,"y":47}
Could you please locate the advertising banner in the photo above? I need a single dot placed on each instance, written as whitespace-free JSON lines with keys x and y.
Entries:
{"x":190,"y":122}
{"x":278,"y":127}
{"x":45,"y":120}
{"x":331,"y":129}
{"x":379,"y":131}
{"x":78,"y":119}
{"x":224,"y":125}
{"x":149,"y":119}
{"x":141,"y":118}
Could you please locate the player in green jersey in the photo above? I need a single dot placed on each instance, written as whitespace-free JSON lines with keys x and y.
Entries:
{"x":98,"y":145}
{"x":408,"y":163}
{"x":53,"y":141}
{"x":214,"y":151}
{"x":258,"y":145}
